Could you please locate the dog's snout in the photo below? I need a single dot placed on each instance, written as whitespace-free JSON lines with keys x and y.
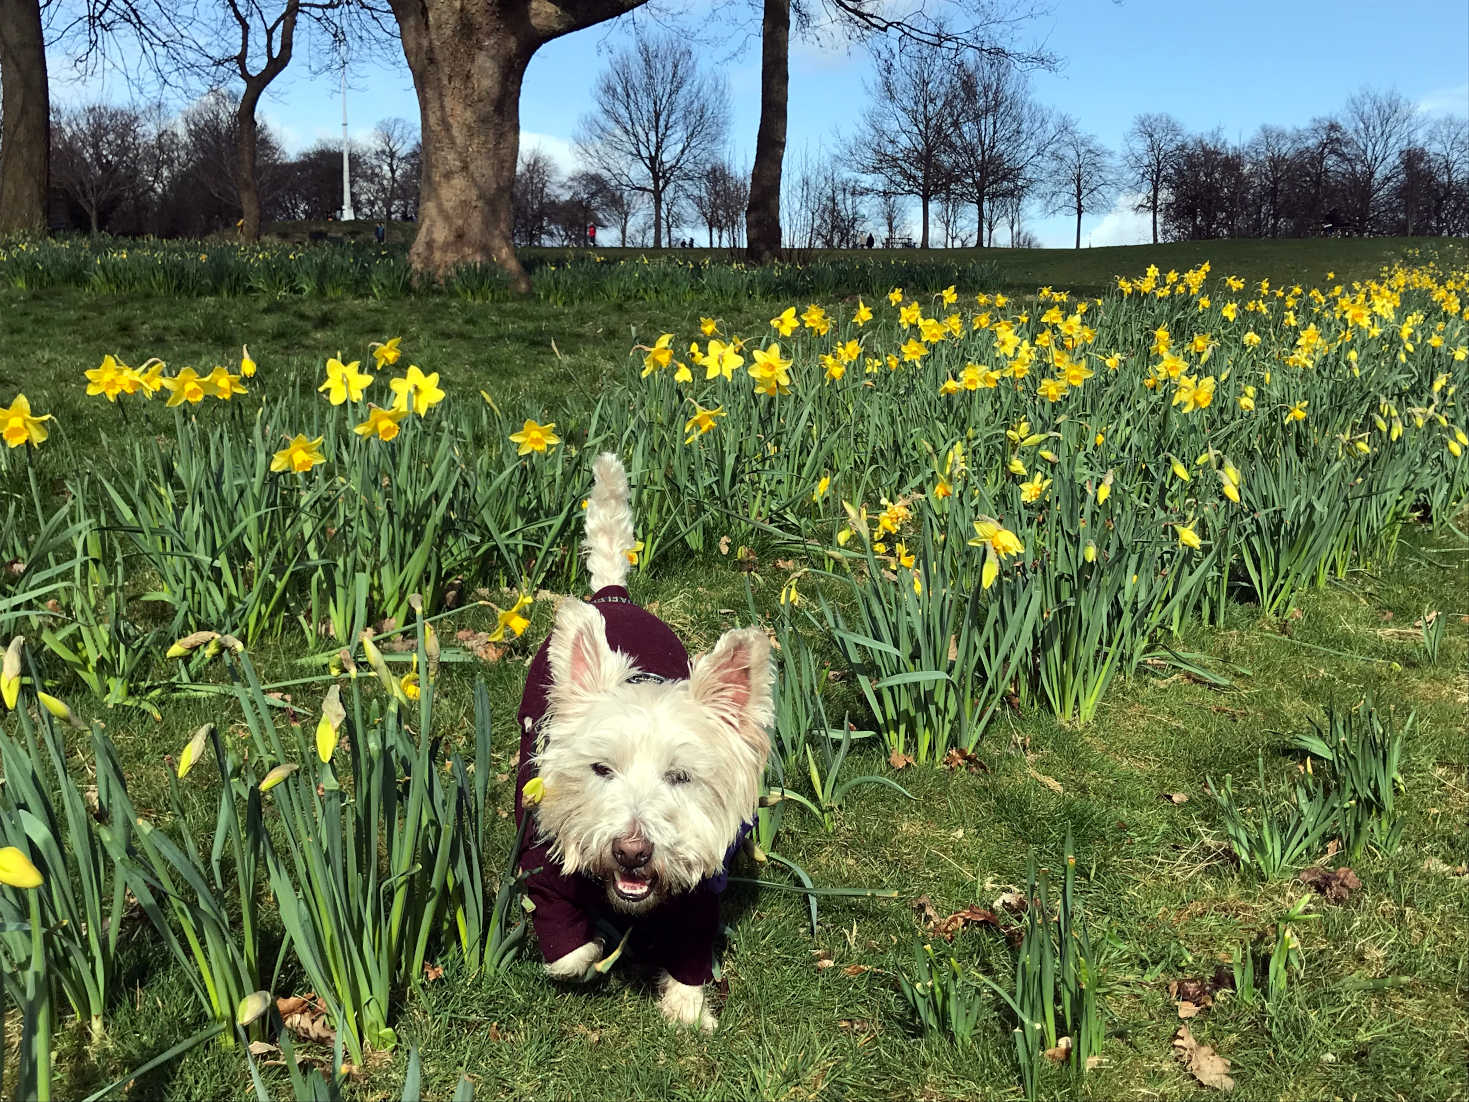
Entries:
{"x":632,"y":853}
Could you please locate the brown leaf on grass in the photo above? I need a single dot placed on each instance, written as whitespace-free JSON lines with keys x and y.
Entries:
{"x":958,"y":758}
{"x":1433,"y":864}
{"x":494,"y":1031}
{"x":1187,"y":1009}
{"x":453,"y":595}
{"x":1202,"y":1062}
{"x":825,"y":963}
{"x":478,"y":644}
{"x":1012,"y":899}
{"x":306,"y":1018}
{"x":292,"y":714}
{"x":432,"y":972}
{"x":1175,"y":797}
{"x":1337,"y":885}
{"x":953,"y":648}
{"x":924,"y":907}
{"x":746,"y":560}
{"x":785,"y":564}
{"x":724,"y":545}
{"x":858,"y":1025}
{"x":1061,"y":1052}
{"x":15,"y":568}
{"x":1196,"y":995}
{"x":1050,"y":782}
{"x":899,"y":760}
{"x":856,"y":969}
{"x":950,"y":925}
{"x":262,"y":1048}
{"x":1333,"y":847}
{"x":398,"y":644}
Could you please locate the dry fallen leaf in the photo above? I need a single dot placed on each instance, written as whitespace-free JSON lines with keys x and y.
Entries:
{"x":1337,"y":885}
{"x":1060,"y":1053}
{"x":1202,"y":1062}
{"x":1187,"y":1009}
{"x":926,"y":911}
{"x":856,"y":969}
{"x":306,"y":1018}
{"x":432,"y":972}
{"x":950,"y":925}
{"x":824,"y":963}
{"x":1433,"y":864}
{"x":959,"y":758}
{"x":724,"y":545}
{"x":262,"y":1048}
{"x":1176,"y":797}
{"x":478,"y":644}
{"x":899,"y":760}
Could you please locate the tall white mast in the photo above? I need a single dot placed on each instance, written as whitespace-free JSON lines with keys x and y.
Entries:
{"x":347,"y":215}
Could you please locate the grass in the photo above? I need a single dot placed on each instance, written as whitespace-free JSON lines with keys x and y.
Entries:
{"x":1377,"y":1013}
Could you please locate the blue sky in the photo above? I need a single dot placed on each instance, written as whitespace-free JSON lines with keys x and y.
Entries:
{"x":1231,"y":66}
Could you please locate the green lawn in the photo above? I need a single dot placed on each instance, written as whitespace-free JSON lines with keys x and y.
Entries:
{"x":1378,"y":1010}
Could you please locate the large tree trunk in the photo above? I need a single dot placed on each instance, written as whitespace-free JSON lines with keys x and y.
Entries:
{"x":658,"y":218}
{"x":247,"y":142}
{"x":467,"y":68}
{"x":25,"y":140}
{"x":762,"y":215}
{"x":1155,"y":214}
{"x":923,"y":201}
{"x":1078,"y":226}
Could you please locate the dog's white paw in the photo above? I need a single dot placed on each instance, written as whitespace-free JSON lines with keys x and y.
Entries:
{"x":684,"y":1004}
{"x":577,"y":965}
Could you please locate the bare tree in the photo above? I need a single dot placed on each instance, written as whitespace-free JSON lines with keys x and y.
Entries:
{"x":655,"y":122}
{"x":390,"y":170}
{"x":99,"y":158}
{"x":1152,"y":144}
{"x":985,"y":26}
{"x":1447,"y":142}
{"x":718,"y":195}
{"x":890,"y":211}
{"x":1000,"y":134}
{"x":1080,"y":174}
{"x":25,"y":128}
{"x":534,"y":192}
{"x":468,"y":61}
{"x":1273,"y":154}
{"x":907,"y":143}
{"x":1376,"y":128}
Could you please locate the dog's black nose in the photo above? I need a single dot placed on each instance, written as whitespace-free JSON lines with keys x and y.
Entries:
{"x":632,"y":853}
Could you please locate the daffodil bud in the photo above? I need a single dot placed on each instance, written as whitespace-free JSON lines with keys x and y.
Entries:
{"x":10,"y":673}
{"x":251,"y":1007}
{"x":991,"y":569}
{"x":533,"y":792}
{"x":332,"y":717}
{"x":16,"y":870}
{"x":1089,"y":552}
{"x":191,"y":642}
{"x":59,"y":709}
{"x":276,"y":775}
{"x":194,"y":750}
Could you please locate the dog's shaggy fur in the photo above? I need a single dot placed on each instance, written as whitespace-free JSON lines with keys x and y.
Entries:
{"x":649,"y":766}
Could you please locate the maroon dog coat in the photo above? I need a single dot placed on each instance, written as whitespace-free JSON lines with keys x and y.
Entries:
{"x":678,"y":935}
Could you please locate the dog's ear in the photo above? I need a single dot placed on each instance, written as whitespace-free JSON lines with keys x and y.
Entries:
{"x":734,"y":682}
{"x":582,"y":663}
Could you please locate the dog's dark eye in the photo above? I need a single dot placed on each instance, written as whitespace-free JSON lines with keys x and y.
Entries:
{"x":676,"y":776}
{"x":601,"y":770}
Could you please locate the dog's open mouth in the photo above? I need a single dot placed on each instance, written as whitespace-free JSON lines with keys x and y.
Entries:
{"x":633,"y":885}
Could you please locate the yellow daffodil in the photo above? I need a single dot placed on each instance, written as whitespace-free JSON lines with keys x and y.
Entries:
{"x":903,"y":556}
{"x":416,"y":391}
{"x":534,"y":437}
{"x":19,"y":426}
{"x":385,"y":353}
{"x":276,"y":775}
{"x":1104,"y":491}
{"x":659,"y":356}
{"x":247,"y":365}
{"x":186,"y":386}
{"x":344,"y":381}
{"x":1229,"y":476}
{"x":989,"y":533}
{"x":533,"y":792}
{"x":770,"y":372}
{"x":708,"y":326}
{"x":895,"y":296}
{"x":863,"y":314}
{"x":1192,"y":393}
{"x":17,"y":871}
{"x":721,"y":359}
{"x":1030,"y":491}
{"x":194,"y":750}
{"x":1188,"y":537}
{"x":913,"y":350}
{"x":1179,"y":470}
{"x":815,"y":319}
{"x":821,"y":487}
{"x":109,"y":379}
{"x":222,"y":384}
{"x":785,"y":323}
{"x":328,"y":728}
{"x":382,"y":423}
{"x":949,"y":295}
{"x":701,"y":422}
{"x":1247,"y":399}
{"x":1296,"y":412}
{"x":409,"y":684}
{"x":511,"y":620}
{"x":299,"y":455}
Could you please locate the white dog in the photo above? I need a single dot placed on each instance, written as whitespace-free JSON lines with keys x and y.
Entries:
{"x":643,"y":770}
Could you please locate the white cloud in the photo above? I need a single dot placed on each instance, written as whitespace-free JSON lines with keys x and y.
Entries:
{"x":1122,"y":225}
{"x":561,"y":151}
{"x":1445,"y":101}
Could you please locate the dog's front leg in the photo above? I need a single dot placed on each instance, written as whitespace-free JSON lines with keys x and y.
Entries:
{"x":684,"y":1004}
{"x":577,"y":966}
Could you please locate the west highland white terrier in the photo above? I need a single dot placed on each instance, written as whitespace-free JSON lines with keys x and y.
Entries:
{"x":643,"y":770}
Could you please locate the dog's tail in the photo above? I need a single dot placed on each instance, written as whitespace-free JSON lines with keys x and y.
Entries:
{"x":609,"y":535}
